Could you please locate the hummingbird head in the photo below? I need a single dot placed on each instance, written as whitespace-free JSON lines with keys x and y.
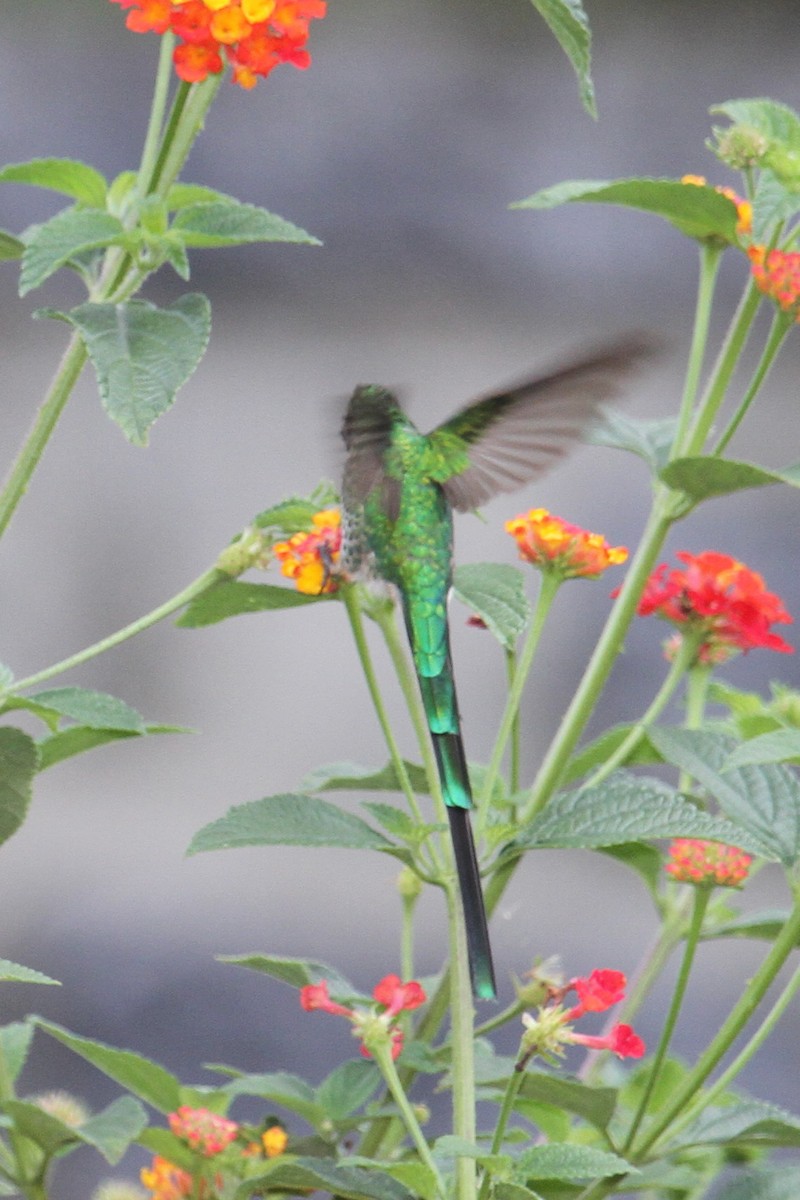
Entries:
{"x":370,"y":415}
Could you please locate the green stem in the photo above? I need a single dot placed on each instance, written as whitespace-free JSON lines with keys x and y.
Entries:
{"x":462,"y":1042}
{"x":549,"y":586}
{"x":740,"y":1014}
{"x":152,"y":141}
{"x":204,"y":581}
{"x":514,"y":748}
{"x":508,"y":1014}
{"x":707,"y":1098}
{"x":780,"y":327}
{"x":678,"y":667}
{"x":190,"y":112}
{"x":506,"y":1109}
{"x":19,"y":477}
{"x":383,"y":1058}
{"x":350,"y":595}
{"x":701,"y":898}
{"x":710,"y":258}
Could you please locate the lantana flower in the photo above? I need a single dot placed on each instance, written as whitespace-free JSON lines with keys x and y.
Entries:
{"x":375,"y":1026}
{"x":744,"y":209}
{"x":551,"y":1029}
{"x":254,"y":36}
{"x":309,"y":558}
{"x":776,"y":273}
{"x":560,"y":548}
{"x":720,"y":598}
{"x":707,"y":864}
{"x":206,"y":1132}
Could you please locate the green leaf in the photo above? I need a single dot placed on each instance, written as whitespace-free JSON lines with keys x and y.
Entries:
{"x":65,"y":175}
{"x":699,"y":212}
{"x":496,"y":593}
{"x":593,"y":1104}
{"x":15,"y":1040}
{"x":569,"y":25}
{"x":773,"y":203}
{"x":142,"y":355}
{"x":398,"y":822}
{"x":139,"y":1075}
{"x":319,"y":1174}
{"x":96,"y":710}
{"x":568,"y":1162}
{"x":416,"y":1176}
{"x":771,"y":1183}
{"x":230,"y":598}
{"x":781,"y":745}
{"x":181,"y":195}
{"x":595,"y":753}
{"x":764,"y":925}
{"x":775,"y":121}
{"x":348,"y":1088}
{"x":762,"y":800}
{"x":352,"y":777}
{"x":41,"y":1127}
{"x":76,"y":739}
{"x":297,"y":972}
{"x":13,"y":971}
{"x":10,"y":247}
{"x":704,"y":477}
{"x":279,"y":1087}
{"x":290,"y":819}
{"x":629,"y":808}
{"x":645,"y":860}
{"x":112,"y":1130}
{"x":752,"y":1122}
{"x":18,"y":764}
{"x":514,"y":1191}
{"x":293,"y":515}
{"x":70,"y":233}
{"x":650,"y":440}
{"x":229,"y":223}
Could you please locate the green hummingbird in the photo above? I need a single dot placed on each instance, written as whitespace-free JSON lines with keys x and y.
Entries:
{"x":399,"y":490}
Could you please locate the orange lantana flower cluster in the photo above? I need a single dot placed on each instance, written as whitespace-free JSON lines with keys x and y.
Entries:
{"x":309,"y":558}
{"x":556,"y":546}
{"x":777,"y":274}
{"x":722,"y":598}
{"x":253,"y":35}
{"x":692,"y":860}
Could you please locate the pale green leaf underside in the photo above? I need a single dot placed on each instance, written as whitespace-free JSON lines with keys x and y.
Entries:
{"x":569,"y":25}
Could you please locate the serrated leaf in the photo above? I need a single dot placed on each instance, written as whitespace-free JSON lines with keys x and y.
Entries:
{"x":763,"y":801}
{"x":15,"y":1039}
{"x":768,"y":117}
{"x":569,"y":25}
{"x":319,"y":1174}
{"x":628,"y":808}
{"x":144,"y":1078}
{"x":348,"y":1088}
{"x":699,"y":212}
{"x":650,"y":440}
{"x":68,"y":234}
{"x":568,"y":1162}
{"x":396,"y":821}
{"x":593,"y":1104}
{"x":13,"y":971}
{"x":231,"y":598}
{"x":77,"y":739}
{"x":181,"y":195}
{"x":496,"y":593}
{"x":764,"y":925}
{"x":65,"y":175}
{"x":703,"y":477}
{"x":293,"y":515}
{"x":280,"y":1087}
{"x":96,"y":710}
{"x":18,"y":765}
{"x":10,"y":247}
{"x":230,"y":223}
{"x":751,"y":1121}
{"x":773,"y":203}
{"x":352,"y":777}
{"x":112,"y":1130}
{"x":771,"y":1183}
{"x":297,"y":972}
{"x":142,"y":355}
{"x":289,"y":819}
{"x":597,"y":752}
{"x":416,"y":1176}
{"x":781,"y":745}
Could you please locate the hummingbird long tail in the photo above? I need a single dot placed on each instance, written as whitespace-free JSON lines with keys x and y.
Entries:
{"x":438,"y":695}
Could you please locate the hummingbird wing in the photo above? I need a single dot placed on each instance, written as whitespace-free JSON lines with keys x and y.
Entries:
{"x":367,"y":434}
{"x":498,"y":443}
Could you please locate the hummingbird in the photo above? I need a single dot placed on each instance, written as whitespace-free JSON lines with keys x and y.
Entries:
{"x":399,"y":490}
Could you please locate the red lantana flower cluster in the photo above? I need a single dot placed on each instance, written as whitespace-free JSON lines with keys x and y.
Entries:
{"x":374,"y":1026}
{"x":777,"y":274}
{"x":558,"y":547}
{"x":722,"y":598}
{"x":253,"y":35}
{"x":707,"y":864}
{"x":309,"y":558}
{"x":551,"y":1029}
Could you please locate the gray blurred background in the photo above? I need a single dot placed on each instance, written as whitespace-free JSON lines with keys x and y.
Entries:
{"x":401,"y":148}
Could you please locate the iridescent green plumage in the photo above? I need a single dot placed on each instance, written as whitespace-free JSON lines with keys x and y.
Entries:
{"x":399,"y":489}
